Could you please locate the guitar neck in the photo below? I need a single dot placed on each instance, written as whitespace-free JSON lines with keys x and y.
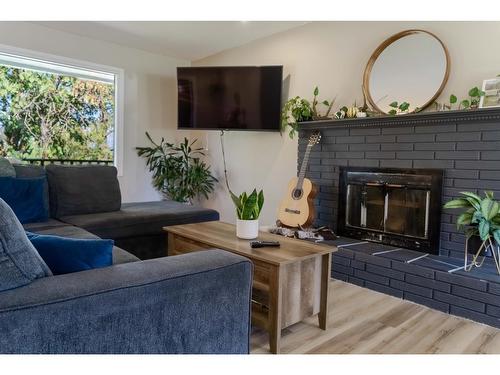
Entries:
{"x":303,"y":167}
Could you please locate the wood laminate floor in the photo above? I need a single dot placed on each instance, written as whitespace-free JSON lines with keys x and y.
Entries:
{"x":366,"y":322}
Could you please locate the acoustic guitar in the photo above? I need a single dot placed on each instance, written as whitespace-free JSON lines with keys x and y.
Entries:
{"x":297,"y":209}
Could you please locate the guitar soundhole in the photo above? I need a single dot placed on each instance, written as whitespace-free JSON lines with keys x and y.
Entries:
{"x":297,"y":193}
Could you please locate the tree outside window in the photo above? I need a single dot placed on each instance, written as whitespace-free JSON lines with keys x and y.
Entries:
{"x":51,"y":116}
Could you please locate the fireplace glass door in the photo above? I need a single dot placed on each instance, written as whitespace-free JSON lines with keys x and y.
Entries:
{"x":389,"y":208}
{"x":392,"y":206}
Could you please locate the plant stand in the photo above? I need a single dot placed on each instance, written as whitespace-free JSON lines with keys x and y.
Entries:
{"x":477,"y":259}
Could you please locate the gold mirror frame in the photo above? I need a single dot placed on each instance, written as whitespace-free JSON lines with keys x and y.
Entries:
{"x":386,"y":43}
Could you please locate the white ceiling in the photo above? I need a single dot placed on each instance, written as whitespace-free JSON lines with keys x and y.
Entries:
{"x":191,"y":40}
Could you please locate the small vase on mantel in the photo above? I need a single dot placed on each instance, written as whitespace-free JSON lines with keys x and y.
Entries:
{"x":247,"y":229}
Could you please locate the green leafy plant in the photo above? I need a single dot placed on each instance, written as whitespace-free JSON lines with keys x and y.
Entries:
{"x":178,"y":172}
{"x":294,"y":111}
{"x":481,"y":216}
{"x":398,"y":108}
{"x":298,"y":110}
{"x":248,"y":206}
{"x":442,"y":106}
{"x":315,"y":112}
{"x":475,"y":95}
{"x":453,"y":100}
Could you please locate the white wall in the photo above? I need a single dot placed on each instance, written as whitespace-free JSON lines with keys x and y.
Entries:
{"x":331,"y":55}
{"x":150,"y":91}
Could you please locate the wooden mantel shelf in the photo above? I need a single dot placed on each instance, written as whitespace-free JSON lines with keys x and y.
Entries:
{"x":423,"y":118}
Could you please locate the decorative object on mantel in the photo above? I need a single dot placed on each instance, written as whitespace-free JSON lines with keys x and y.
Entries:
{"x":248,"y":208}
{"x":298,"y":110}
{"x":442,"y":106}
{"x":315,"y":113}
{"x":411,"y":58}
{"x":481,"y":219}
{"x":475,"y":95}
{"x":178,"y":171}
{"x":350,"y":112}
{"x":491,"y":96}
{"x":399,"y":108}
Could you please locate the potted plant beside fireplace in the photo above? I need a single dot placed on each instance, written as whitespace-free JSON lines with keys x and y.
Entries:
{"x":481,"y":219}
{"x":248,"y":208}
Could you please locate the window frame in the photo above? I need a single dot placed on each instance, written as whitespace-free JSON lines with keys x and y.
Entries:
{"x":119,"y":82}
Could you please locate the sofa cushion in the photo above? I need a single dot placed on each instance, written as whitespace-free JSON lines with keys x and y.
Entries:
{"x":66,"y":230}
{"x":121,"y":256}
{"x":6,"y":168}
{"x":67,"y":255}
{"x":29,"y":170}
{"x":81,"y":190}
{"x":20,"y":263}
{"x":141,"y":219}
{"x":44,"y":225}
{"x":32,"y":171}
{"x":26,"y":198}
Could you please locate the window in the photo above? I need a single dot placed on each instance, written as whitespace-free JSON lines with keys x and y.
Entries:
{"x":51,"y":111}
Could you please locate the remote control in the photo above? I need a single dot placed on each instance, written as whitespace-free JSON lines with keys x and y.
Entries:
{"x":256,"y":244}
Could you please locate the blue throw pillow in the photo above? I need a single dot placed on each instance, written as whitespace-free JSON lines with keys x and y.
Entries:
{"x":67,"y":255}
{"x":26,"y":197}
{"x":20,"y":263}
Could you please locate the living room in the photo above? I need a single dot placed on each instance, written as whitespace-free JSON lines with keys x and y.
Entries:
{"x":207,"y":184}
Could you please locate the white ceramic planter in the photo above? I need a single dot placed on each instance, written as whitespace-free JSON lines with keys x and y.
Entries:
{"x":247,"y":229}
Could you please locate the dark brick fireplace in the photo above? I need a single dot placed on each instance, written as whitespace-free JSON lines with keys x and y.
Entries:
{"x":465,"y":146}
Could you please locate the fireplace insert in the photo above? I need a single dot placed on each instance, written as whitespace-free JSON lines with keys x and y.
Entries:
{"x":399,"y":207}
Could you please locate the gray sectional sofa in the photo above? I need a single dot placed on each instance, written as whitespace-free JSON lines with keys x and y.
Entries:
{"x":88,"y":198}
{"x":194,"y":303}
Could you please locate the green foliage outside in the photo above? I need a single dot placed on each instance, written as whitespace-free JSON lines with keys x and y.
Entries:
{"x":50,"y":116}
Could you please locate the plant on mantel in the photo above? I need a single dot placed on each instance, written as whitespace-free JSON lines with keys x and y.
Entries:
{"x":398,"y":108}
{"x":472,"y":102}
{"x":298,"y":109}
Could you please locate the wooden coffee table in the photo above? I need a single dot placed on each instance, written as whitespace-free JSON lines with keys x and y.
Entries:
{"x":290,"y":283}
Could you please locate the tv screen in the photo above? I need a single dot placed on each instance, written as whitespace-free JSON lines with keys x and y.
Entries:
{"x":230,"y":98}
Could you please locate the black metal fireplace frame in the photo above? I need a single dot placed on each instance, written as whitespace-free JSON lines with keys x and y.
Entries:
{"x":431,"y":245}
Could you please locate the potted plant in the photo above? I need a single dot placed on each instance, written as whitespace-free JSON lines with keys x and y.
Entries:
{"x":298,"y":110}
{"x":248,"y":208}
{"x":178,"y":172}
{"x":475,"y":95}
{"x":398,"y":108}
{"x":480,"y":219}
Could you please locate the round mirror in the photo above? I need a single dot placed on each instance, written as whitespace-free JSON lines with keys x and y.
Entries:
{"x":411,"y":66}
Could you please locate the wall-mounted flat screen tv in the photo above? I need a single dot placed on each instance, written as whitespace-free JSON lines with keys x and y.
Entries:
{"x":230,"y":97}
